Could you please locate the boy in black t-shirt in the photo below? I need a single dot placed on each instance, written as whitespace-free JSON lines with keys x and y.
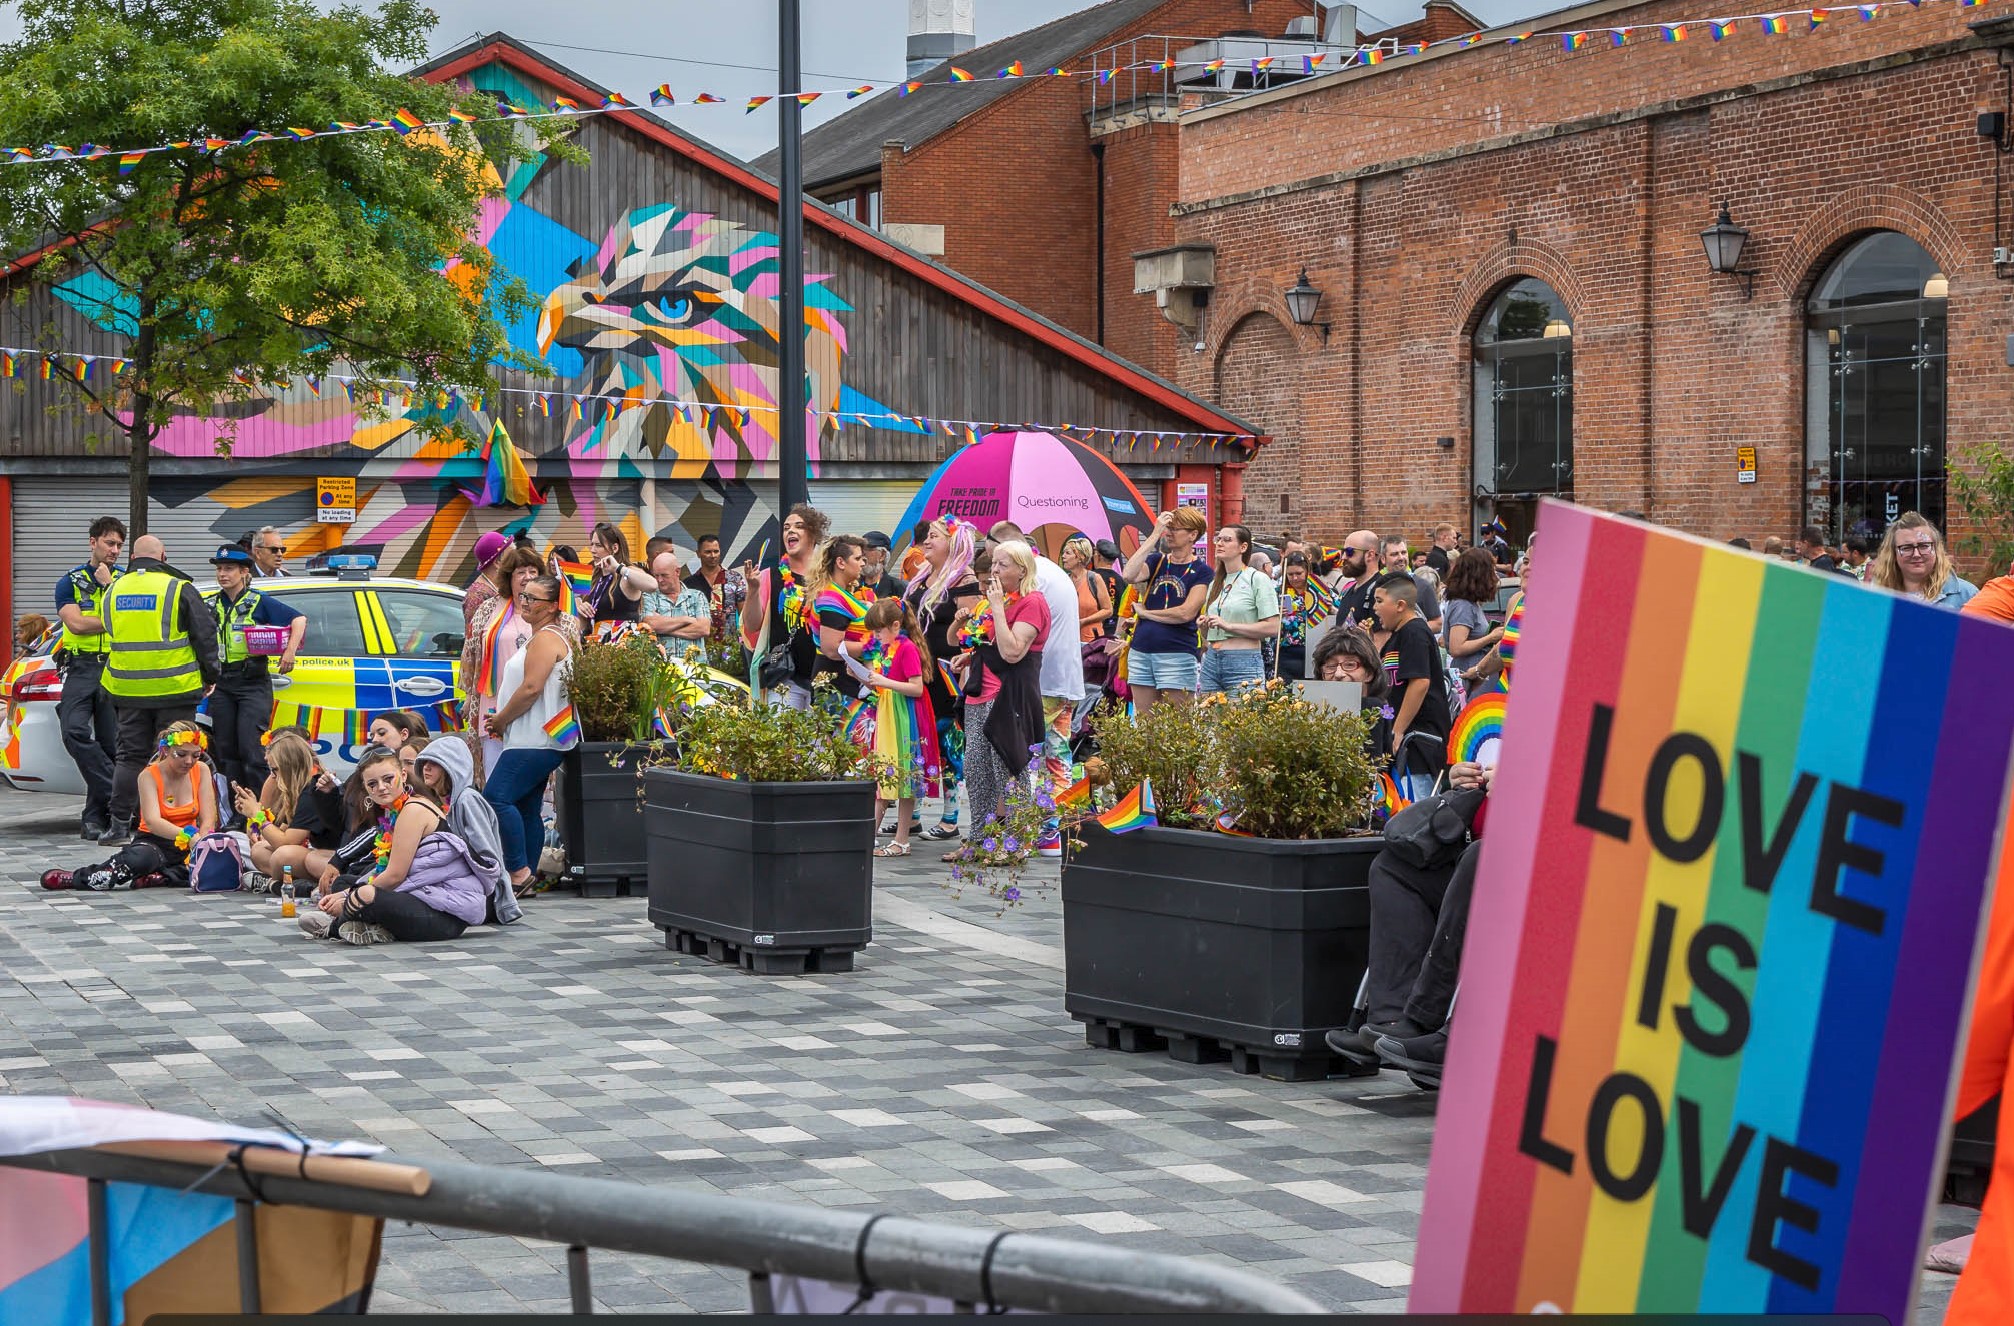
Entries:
{"x":1412,"y":660}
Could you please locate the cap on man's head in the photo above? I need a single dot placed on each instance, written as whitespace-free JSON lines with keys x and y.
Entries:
{"x":490,"y":547}
{"x":232,"y":555}
{"x":1108,"y":549}
{"x":874,"y":538}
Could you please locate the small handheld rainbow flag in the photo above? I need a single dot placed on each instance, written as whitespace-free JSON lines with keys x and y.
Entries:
{"x":1077,"y":794}
{"x":1135,"y":810}
{"x":1388,"y":790}
{"x":1480,"y":722}
{"x":563,"y":728}
{"x":356,"y":727}
{"x":575,"y":580}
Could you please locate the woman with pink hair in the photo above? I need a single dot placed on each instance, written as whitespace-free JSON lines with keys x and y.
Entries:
{"x":942,"y":588}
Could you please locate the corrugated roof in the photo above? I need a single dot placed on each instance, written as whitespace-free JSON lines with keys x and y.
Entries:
{"x":850,"y":144}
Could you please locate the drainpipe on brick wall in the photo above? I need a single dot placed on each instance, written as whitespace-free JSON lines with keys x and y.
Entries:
{"x":1098,"y":151}
{"x":1230,"y":493}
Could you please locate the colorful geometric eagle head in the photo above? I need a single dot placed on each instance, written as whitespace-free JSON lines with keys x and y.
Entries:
{"x":682,"y":307}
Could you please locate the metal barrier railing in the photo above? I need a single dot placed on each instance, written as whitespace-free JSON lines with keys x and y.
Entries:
{"x":974,"y":1269}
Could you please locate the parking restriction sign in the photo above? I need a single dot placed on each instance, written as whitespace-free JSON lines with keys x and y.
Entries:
{"x":335,"y":501}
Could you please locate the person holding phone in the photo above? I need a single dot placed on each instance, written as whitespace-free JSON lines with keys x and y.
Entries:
{"x":618,"y":588}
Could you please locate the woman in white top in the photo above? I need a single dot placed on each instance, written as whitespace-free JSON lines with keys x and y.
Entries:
{"x":1240,"y":613}
{"x":534,"y":720}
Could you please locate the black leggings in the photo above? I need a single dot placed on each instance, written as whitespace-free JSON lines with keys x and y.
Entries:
{"x":409,"y":920}
{"x":145,"y":855}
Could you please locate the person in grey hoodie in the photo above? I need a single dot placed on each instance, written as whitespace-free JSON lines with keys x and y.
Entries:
{"x":471,"y":819}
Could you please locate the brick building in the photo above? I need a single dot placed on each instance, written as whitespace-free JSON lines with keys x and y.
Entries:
{"x":1044,"y":188}
{"x":1514,"y":296}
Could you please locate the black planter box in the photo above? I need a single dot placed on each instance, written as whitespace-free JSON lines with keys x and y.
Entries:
{"x":600,"y":820}
{"x":777,"y":877}
{"x":1221,"y":947}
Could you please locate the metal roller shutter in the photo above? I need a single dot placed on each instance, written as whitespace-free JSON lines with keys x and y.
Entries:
{"x":855,"y":506}
{"x":52,"y":522}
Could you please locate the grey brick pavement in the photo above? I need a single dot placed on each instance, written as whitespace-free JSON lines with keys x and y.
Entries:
{"x":940,"y":1079}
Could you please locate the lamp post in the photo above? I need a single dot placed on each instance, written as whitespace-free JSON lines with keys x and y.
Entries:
{"x":1723,"y":241}
{"x":793,"y":483}
{"x":1303,"y":299}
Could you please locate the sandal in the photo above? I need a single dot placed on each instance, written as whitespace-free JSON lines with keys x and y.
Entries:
{"x":941,"y":831}
{"x":892,"y":849}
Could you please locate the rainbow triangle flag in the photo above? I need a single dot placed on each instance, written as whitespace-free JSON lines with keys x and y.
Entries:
{"x":563,"y":728}
{"x":575,"y":580}
{"x":1135,"y":810}
{"x":959,"y":75}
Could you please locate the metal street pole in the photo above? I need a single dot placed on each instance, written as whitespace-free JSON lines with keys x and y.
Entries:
{"x":792,"y":472}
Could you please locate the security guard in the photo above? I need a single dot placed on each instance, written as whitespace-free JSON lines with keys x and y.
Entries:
{"x":85,"y":711}
{"x":163,"y":660}
{"x":242,"y":705}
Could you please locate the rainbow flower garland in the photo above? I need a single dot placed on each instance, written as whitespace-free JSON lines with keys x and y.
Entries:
{"x":794,"y":606}
{"x":381,"y":849}
{"x":170,"y":740}
{"x":978,"y":628}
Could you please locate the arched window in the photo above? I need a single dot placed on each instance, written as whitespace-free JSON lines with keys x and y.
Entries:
{"x":1874,"y":388}
{"x":1523,"y":404}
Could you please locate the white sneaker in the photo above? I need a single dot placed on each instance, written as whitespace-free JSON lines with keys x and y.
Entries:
{"x":316,"y":923}
{"x":360,"y":934}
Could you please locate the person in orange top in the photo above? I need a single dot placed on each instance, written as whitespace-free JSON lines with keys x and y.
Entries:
{"x":1985,"y":1294}
{"x":178,"y":804}
{"x":1995,"y":599}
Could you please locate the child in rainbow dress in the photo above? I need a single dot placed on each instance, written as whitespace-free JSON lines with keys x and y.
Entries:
{"x":903,"y":746}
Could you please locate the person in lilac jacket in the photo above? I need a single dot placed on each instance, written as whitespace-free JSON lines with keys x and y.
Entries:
{"x":426,"y":885}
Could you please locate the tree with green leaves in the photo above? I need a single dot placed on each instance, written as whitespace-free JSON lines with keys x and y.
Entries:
{"x":1983,"y":482}
{"x":260,"y":261}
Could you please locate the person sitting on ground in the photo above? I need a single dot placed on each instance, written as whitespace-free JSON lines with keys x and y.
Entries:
{"x":292,"y":814}
{"x":424,"y":884}
{"x":178,"y":805}
{"x":445,"y":771}
{"x":1419,"y":918}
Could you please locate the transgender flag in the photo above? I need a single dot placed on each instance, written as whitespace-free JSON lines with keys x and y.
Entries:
{"x":171,"y":1251}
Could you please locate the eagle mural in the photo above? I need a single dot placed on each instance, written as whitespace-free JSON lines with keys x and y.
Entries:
{"x":676,"y":320}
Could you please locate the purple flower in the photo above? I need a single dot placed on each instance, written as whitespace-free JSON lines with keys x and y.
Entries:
{"x":1012,"y":893}
{"x":1387,"y":713}
{"x":1013,"y":844}
{"x":990,"y":845}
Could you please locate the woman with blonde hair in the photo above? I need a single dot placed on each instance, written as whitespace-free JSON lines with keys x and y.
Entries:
{"x":1094,"y":601}
{"x":1000,"y":638}
{"x":940,"y":588}
{"x":1912,"y":560}
{"x":178,"y":805}
{"x":291,"y":815}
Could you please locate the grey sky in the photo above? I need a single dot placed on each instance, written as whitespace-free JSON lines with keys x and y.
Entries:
{"x":690,"y":44}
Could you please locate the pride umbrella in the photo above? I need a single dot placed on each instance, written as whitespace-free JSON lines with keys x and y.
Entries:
{"x":1049,"y":486}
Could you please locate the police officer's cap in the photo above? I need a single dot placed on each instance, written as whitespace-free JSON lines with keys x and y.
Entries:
{"x":232,"y":555}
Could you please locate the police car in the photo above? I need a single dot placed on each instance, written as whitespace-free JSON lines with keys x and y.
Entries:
{"x":373,"y":643}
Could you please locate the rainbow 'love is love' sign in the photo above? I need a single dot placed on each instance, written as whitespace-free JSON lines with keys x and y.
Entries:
{"x":1727,"y":909}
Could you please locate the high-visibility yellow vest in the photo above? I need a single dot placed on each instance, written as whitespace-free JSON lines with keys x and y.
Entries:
{"x":90,"y":597}
{"x":151,"y":655}
{"x":232,"y":619}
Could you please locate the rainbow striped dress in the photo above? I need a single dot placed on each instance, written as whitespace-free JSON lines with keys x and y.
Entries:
{"x":898,"y":733}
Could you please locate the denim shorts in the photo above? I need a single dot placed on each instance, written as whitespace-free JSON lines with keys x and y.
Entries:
{"x":1228,"y":669}
{"x":1163,"y":672}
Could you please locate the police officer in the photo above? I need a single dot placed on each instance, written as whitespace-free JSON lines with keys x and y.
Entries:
{"x":162,"y":661}
{"x":242,"y":705}
{"x":85,"y":711}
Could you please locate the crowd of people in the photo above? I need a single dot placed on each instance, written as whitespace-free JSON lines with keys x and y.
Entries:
{"x":973,"y":668}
